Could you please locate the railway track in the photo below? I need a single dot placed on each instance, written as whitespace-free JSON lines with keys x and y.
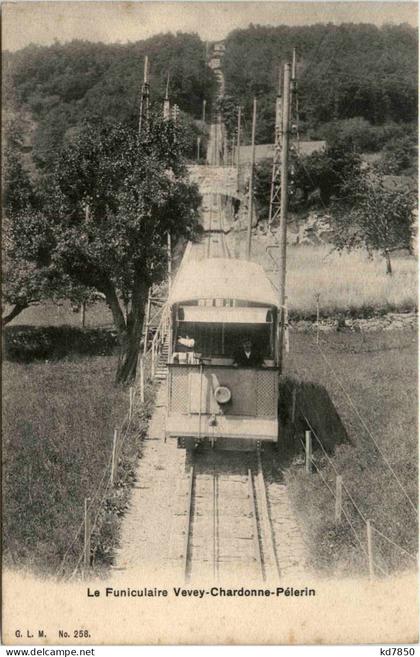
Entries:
{"x":224,"y":523}
{"x":214,"y":230}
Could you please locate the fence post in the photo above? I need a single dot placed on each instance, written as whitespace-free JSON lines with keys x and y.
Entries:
{"x":153,"y":359}
{"x":114,"y":457}
{"x":370,"y":549}
{"x":308,"y":451}
{"x":142,"y":379}
{"x":338,"y":498}
{"x":83,"y":314}
{"x":130,"y":410}
{"x":293,"y":403}
{"x":86,"y":549}
{"x":317,"y":316}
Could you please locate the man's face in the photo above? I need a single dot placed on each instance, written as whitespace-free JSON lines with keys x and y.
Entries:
{"x":247,"y":345}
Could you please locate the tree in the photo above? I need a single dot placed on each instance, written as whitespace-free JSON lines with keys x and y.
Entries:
{"x":329,"y":172}
{"x":64,"y":84}
{"x":313,"y":179}
{"x":379,"y":218}
{"x":24,"y":280}
{"x":228,"y":109}
{"x":399,"y":156}
{"x":106,"y":210}
{"x":344,"y":71}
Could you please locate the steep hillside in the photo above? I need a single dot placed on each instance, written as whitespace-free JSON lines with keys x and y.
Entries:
{"x":344,"y":71}
{"x":62,"y":85}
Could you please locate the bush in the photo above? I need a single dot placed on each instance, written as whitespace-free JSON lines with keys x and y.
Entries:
{"x":24,"y":344}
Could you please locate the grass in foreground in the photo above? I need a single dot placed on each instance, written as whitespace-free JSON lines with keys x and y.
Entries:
{"x":379,"y":373}
{"x":58,"y":421}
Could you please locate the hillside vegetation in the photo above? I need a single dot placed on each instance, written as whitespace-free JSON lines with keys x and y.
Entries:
{"x":344,"y":71}
{"x":357,"y":79}
{"x":349,"y":283}
{"x":363,"y":376}
{"x":55,"y":88}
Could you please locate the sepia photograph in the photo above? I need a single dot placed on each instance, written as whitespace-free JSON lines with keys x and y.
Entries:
{"x":209,"y":310}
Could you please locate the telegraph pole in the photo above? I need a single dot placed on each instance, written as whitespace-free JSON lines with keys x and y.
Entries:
{"x":294,"y":105}
{"x":238,"y":149}
{"x":166,"y":103}
{"x":169,"y":256}
{"x":285,"y":131}
{"x":145,"y":97}
{"x":275,"y":176}
{"x":251,"y":182}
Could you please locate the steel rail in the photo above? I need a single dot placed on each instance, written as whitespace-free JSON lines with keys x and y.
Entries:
{"x":255,"y":533}
{"x":187,"y":546}
{"x":266,"y":521}
{"x":215,"y":524}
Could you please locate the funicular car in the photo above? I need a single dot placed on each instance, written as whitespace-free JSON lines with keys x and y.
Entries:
{"x":222,"y":370}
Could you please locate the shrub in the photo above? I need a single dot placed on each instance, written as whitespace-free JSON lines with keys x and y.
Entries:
{"x":25,"y":344}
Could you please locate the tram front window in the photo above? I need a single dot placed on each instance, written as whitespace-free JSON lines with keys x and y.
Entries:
{"x":223,"y":343}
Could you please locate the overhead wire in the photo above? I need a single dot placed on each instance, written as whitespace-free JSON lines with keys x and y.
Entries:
{"x":350,"y":496}
{"x":325,"y":482}
{"x":369,"y":433}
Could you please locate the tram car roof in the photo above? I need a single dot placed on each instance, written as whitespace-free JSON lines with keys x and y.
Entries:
{"x":222,"y":278}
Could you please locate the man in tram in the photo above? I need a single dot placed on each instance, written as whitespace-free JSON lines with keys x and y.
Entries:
{"x":247,"y":355}
{"x":184,"y":350}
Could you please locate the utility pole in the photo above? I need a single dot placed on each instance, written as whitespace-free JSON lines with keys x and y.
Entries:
{"x":285,"y":130}
{"x":145,"y":98}
{"x":276,"y":172}
{"x":238,"y":149}
{"x":175,"y":113}
{"x":251,"y":182}
{"x":294,"y":105}
{"x":169,"y":255}
{"x":166,"y":103}
{"x":203,"y":117}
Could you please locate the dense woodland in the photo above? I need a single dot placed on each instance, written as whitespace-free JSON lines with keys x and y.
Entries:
{"x":354,"y":80}
{"x":344,"y":71}
{"x":357,"y":89}
{"x":54,"y":89}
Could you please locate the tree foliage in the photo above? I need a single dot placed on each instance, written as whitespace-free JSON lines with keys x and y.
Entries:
{"x":29,"y":275}
{"x":65,"y":84}
{"x":105,"y":212}
{"x":344,"y":71}
{"x":314,"y":180}
{"x":379,"y":217}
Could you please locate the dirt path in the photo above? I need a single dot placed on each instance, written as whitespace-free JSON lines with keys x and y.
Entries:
{"x":145,"y":532}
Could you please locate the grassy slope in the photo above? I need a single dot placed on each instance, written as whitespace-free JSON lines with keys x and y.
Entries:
{"x":379,"y":372}
{"x":48,"y":313}
{"x":350,"y":283}
{"x":58,"y":421}
{"x":44,"y":499}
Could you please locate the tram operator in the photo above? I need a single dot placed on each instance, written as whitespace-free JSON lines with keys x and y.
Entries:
{"x":247,"y":355}
{"x":184,"y":349}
